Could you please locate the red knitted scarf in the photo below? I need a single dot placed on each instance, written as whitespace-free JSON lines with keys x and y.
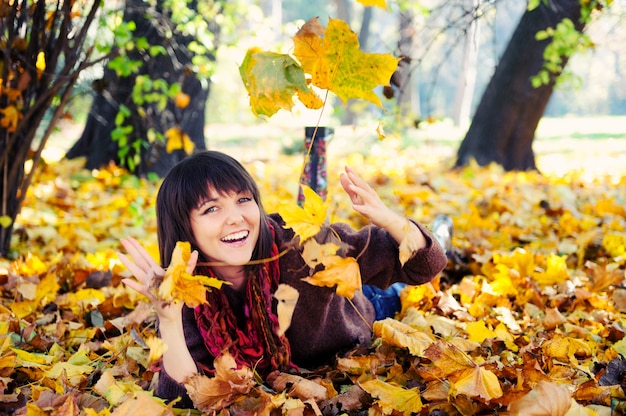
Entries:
{"x":257,"y":344}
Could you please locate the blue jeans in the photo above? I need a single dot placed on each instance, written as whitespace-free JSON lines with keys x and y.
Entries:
{"x":386,"y":301}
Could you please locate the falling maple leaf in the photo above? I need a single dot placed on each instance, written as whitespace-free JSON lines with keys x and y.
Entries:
{"x":272,"y":79}
{"x":178,"y":285}
{"x":340,"y":272}
{"x":336,"y":63}
{"x":306,"y":221}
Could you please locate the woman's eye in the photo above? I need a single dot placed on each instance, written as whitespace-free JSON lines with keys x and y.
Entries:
{"x":245,"y":199}
{"x":209,"y":210}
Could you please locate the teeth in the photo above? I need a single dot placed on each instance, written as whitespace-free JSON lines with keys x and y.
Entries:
{"x":236,"y":236}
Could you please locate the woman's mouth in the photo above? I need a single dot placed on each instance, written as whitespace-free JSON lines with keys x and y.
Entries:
{"x":237,"y":237}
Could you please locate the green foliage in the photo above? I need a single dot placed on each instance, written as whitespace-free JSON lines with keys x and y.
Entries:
{"x":566,"y":40}
{"x":133,"y":52}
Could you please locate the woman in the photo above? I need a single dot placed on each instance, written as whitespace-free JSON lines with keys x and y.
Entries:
{"x":211,"y":201}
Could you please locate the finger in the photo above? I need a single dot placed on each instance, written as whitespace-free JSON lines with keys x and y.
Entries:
{"x":139,"y":288}
{"x":356,"y":179}
{"x":140,"y":274}
{"x":141,"y":256}
{"x":193,"y":260}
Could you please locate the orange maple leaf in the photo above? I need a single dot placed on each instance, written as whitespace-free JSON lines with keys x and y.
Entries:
{"x":178,"y":285}
{"x":342,"y":272}
{"x":11,"y":118}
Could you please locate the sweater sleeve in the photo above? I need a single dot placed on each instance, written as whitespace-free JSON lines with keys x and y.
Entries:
{"x":168,"y":388}
{"x":379,"y":256}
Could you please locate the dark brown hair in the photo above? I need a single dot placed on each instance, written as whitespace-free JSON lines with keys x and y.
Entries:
{"x":186,"y":184}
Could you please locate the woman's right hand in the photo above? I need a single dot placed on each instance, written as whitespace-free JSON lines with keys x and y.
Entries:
{"x":145,"y":270}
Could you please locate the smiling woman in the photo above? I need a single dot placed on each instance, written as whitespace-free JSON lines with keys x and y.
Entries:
{"x":212,"y":202}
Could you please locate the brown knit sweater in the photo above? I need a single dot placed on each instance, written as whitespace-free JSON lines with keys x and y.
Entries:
{"x":325,"y":324}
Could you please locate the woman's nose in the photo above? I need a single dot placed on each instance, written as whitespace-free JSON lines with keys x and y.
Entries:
{"x":234,"y":216}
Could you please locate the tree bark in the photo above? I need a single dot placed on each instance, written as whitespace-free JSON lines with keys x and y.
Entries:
{"x":503,"y":128}
{"x":113,"y":91}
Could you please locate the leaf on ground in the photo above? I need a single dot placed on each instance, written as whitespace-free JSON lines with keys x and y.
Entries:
{"x":476,"y":382}
{"x":402,"y":335}
{"x":297,"y":386}
{"x":393,"y":398}
{"x":340,"y":272}
{"x":546,"y":399}
{"x":212,"y":394}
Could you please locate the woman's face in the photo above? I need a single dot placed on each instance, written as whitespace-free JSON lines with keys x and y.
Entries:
{"x":226,"y":227}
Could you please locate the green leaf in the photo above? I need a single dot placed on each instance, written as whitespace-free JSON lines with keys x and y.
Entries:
{"x":5,"y":221}
{"x":272,"y":79}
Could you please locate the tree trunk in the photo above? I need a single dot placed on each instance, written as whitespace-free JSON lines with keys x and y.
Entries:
{"x":504,"y":125}
{"x":114,"y":91}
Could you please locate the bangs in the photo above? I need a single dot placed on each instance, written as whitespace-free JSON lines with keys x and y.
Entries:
{"x":202,"y":173}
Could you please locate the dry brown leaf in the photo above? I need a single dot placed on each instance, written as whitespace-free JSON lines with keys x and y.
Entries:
{"x":546,"y":399}
{"x":297,"y":386}
{"x":211,"y":394}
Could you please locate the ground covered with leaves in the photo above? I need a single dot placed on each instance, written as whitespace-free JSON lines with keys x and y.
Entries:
{"x":528,"y":317}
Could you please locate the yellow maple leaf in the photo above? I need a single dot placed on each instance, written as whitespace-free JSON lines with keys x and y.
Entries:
{"x":178,"y":139}
{"x":555,"y":272}
{"x":447,"y":359}
{"x":402,"y":335}
{"x":308,"y":220}
{"x":11,"y":116}
{"x":478,"y":331}
{"x":342,"y":272}
{"x":476,"y":382}
{"x":394,"y":398}
{"x":211,"y":394}
{"x":178,"y":285}
{"x":336,"y":63}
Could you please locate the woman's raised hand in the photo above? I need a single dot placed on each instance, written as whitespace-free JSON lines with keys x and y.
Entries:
{"x":364,"y":198}
{"x":366,"y":201}
{"x":146,"y":270}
